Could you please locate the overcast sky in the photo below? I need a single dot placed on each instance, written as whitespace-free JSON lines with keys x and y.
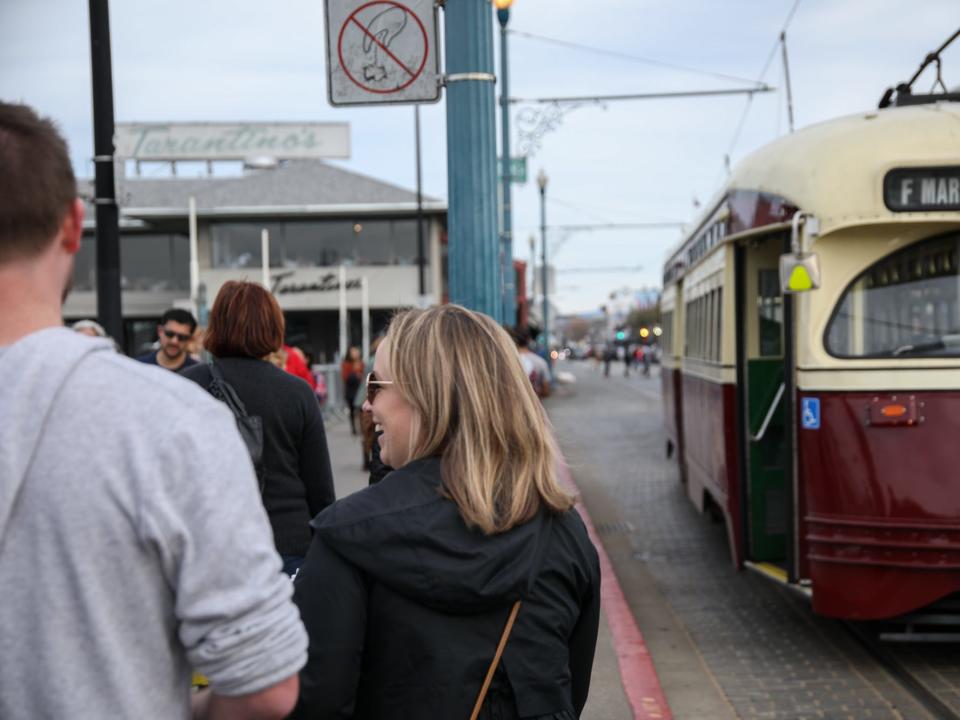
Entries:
{"x":621,"y":162}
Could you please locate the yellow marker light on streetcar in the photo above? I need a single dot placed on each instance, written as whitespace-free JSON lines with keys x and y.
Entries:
{"x":800,"y":280}
{"x":799,"y":273}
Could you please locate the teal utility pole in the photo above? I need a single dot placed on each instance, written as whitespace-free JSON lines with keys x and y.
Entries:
{"x":509,"y":291}
{"x":542,"y":183}
{"x":474,"y":248}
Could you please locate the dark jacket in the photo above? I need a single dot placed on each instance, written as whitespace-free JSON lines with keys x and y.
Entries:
{"x":378,"y":468}
{"x":405,"y":605}
{"x":298,"y":482}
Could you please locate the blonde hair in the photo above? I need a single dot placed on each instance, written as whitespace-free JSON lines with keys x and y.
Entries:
{"x":475,"y":407}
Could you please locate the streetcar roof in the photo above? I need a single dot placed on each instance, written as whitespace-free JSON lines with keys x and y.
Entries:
{"x":835,"y":169}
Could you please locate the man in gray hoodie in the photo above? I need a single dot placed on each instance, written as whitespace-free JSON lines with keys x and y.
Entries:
{"x":134,"y":547}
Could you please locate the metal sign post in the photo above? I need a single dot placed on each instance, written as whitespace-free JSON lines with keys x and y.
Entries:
{"x":382,"y":51}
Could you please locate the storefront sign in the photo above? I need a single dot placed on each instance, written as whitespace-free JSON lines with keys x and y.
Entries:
{"x":231,"y":141}
{"x":281,"y":284}
{"x":922,"y":189}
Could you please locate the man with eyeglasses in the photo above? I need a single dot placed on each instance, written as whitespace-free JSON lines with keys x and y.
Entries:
{"x":175,"y":330}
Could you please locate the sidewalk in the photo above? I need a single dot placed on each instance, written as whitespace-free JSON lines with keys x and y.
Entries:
{"x":607,"y":699}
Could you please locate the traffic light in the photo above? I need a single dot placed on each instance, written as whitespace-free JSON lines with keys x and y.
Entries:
{"x":621,"y":335}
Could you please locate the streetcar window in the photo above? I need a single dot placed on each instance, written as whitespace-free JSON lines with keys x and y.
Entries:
{"x":666,"y":336}
{"x":718,"y":325}
{"x":770,"y":310}
{"x":906,"y":305}
{"x":704,"y":320}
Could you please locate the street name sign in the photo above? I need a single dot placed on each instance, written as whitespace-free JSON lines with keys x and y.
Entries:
{"x":231,"y":141}
{"x":382,"y":51}
{"x":518,"y":169}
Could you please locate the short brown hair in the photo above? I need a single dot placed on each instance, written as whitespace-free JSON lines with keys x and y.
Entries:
{"x":246,"y":321}
{"x":37,"y":183}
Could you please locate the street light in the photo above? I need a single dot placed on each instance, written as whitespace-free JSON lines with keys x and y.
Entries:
{"x":542,"y":182}
{"x":509,"y":293}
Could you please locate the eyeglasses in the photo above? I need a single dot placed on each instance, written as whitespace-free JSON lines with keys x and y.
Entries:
{"x":373,"y":386}
{"x":179,"y":336}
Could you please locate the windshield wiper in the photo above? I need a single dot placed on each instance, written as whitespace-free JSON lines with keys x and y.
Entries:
{"x":937,"y":344}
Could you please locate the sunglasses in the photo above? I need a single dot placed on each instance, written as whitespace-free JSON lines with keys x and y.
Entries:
{"x":373,"y":386}
{"x":179,"y":336}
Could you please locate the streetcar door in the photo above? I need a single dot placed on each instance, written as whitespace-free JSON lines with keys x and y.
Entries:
{"x":761,"y":352}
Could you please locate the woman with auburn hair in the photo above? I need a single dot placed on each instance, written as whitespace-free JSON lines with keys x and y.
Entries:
{"x":244,"y":330}
{"x":411,"y":585}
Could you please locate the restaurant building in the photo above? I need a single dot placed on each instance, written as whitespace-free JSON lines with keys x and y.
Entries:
{"x":319,"y":218}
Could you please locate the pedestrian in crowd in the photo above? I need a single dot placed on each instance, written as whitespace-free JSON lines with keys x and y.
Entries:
{"x":627,"y":360}
{"x":409,"y":583}
{"x":644,"y":353}
{"x":609,"y":353}
{"x":132,"y":545}
{"x":534,"y":366}
{"x":175,"y":331}
{"x":90,"y":328}
{"x":245,"y":327}
{"x":295,"y":363}
{"x":351,"y":370}
{"x":368,"y":433}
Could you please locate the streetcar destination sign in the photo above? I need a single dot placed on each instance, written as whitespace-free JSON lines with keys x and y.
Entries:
{"x":922,"y":189}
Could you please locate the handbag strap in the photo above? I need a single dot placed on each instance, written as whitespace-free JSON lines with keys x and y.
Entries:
{"x":227,"y":392}
{"x":496,"y":660}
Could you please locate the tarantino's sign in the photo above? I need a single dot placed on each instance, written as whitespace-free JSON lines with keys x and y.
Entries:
{"x":922,"y":189}
{"x":231,"y":141}
{"x":330,"y":282}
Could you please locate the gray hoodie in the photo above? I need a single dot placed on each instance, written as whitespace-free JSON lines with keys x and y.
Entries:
{"x":133,"y":543}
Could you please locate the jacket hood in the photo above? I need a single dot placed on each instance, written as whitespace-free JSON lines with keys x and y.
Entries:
{"x":34,"y":370}
{"x":403,"y":533}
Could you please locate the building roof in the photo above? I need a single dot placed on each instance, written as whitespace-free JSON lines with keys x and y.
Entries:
{"x":295,"y":187}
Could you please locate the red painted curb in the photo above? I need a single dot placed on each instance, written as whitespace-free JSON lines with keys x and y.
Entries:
{"x":637,"y":673}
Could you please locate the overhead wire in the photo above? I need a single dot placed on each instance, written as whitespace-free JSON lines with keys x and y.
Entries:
{"x":627,"y":56}
{"x":759,"y":81}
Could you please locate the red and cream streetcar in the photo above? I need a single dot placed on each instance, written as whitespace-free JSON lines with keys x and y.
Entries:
{"x":824,"y":426}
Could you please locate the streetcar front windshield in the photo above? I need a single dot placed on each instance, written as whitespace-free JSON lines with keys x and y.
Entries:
{"x":906,"y":305}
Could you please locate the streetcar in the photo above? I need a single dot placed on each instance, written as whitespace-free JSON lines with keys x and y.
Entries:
{"x":823,"y":426}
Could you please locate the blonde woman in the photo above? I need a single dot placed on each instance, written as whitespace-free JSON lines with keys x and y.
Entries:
{"x":408,"y":584}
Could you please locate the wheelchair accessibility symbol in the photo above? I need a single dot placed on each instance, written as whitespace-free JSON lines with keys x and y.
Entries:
{"x":810,"y":413}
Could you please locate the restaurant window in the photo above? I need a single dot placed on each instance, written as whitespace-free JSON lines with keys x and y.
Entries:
{"x":317,"y":243}
{"x":149,"y":262}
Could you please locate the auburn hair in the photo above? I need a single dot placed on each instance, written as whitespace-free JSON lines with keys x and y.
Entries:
{"x":245,"y":321}
{"x":474,"y":406}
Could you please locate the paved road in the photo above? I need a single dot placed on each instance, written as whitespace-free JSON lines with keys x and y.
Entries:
{"x":725,"y":643}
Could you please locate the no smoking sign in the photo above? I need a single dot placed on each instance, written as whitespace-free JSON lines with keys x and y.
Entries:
{"x":382,"y":51}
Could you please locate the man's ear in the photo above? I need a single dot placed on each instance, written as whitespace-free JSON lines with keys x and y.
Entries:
{"x":72,"y":228}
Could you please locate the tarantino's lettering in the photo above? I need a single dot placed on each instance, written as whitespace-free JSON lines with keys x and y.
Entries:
{"x":327,"y":283}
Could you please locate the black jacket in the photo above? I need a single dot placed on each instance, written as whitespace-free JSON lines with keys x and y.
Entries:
{"x":298,"y":482}
{"x":405,"y":605}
